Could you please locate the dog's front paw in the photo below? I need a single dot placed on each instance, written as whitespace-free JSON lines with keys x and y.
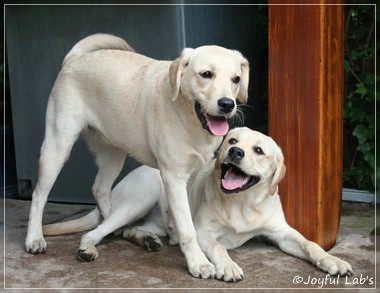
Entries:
{"x":35,"y":246}
{"x":229,"y":271}
{"x":335,"y":266}
{"x":87,"y":254}
{"x":204,"y":270}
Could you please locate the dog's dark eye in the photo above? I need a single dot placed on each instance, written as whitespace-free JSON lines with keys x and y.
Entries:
{"x":258,"y":150}
{"x":236,"y":79}
{"x":206,"y":74}
{"x":232,"y":141}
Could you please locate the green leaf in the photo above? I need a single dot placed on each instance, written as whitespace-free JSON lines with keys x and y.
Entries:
{"x":365,"y":148}
{"x":346,"y":65}
{"x":357,"y":114}
{"x":361,"y":132}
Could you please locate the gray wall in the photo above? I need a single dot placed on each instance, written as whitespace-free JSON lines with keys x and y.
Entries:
{"x":38,"y":38}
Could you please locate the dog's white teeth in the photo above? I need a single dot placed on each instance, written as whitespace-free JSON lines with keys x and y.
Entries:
{"x":227,"y":173}
{"x":246,"y":180}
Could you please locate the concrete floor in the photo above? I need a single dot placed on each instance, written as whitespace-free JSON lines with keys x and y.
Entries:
{"x":124,"y":265}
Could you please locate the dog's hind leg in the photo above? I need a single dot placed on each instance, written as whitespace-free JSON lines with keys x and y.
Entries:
{"x":146,"y":235}
{"x":60,"y":136}
{"x":118,"y":218}
{"x":87,"y":250}
{"x":143,"y":238}
{"x":110,"y":161}
{"x":132,"y":199}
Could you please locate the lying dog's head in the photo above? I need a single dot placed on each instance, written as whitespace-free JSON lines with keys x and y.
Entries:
{"x":211,"y":79}
{"x":249,"y":158}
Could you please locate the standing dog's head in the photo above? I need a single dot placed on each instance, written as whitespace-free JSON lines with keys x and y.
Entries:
{"x":211,"y":79}
{"x":249,"y":158}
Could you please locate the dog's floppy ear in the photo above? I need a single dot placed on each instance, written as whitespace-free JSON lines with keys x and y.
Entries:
{"x":175,"y":71}
{"x":243,"y":91}
{"x":280,"y":171}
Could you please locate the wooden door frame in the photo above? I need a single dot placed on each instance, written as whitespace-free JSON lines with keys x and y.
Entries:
{"x":306,"y":112}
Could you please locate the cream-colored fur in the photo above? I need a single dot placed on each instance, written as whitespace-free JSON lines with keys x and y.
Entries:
{"x":226,"y":211}
{"x":169,"y":115}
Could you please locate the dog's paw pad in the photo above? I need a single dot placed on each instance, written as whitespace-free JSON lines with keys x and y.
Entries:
{"x":84,"y":256}
{"x":153,"y":243}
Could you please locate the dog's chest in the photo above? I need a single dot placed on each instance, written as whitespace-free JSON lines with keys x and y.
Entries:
{"x":231,"y":241}
{"x":238,"y":229}
{"x":242,"y":218}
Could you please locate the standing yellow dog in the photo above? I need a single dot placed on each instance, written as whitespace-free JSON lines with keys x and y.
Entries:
{"x":170,"y":115}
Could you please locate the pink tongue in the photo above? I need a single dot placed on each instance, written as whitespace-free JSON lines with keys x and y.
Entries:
{"x":217,"y":125}
{"x":233,"y":181}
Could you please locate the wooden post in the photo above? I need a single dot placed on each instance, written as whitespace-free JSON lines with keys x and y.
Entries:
{"x":306,"y":113}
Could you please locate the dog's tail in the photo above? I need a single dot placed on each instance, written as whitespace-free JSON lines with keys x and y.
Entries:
{"x":88,"y":222}
{"x":94,"y":43}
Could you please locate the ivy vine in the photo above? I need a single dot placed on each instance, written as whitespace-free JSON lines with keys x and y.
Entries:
{"x":359,"y":101}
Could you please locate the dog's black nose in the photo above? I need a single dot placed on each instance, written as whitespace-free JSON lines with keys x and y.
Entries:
{"x":236,"y":154}
{"x":226,"y":105}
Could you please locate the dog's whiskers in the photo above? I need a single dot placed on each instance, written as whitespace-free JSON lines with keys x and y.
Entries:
{"x":239,"y":117}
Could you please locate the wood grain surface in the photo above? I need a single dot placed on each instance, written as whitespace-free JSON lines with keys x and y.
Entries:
{"x":306,"y":113}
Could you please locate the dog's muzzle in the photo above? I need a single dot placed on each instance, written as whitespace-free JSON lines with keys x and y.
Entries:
{"x":216,"y":125}
{"x":234,"y":179}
